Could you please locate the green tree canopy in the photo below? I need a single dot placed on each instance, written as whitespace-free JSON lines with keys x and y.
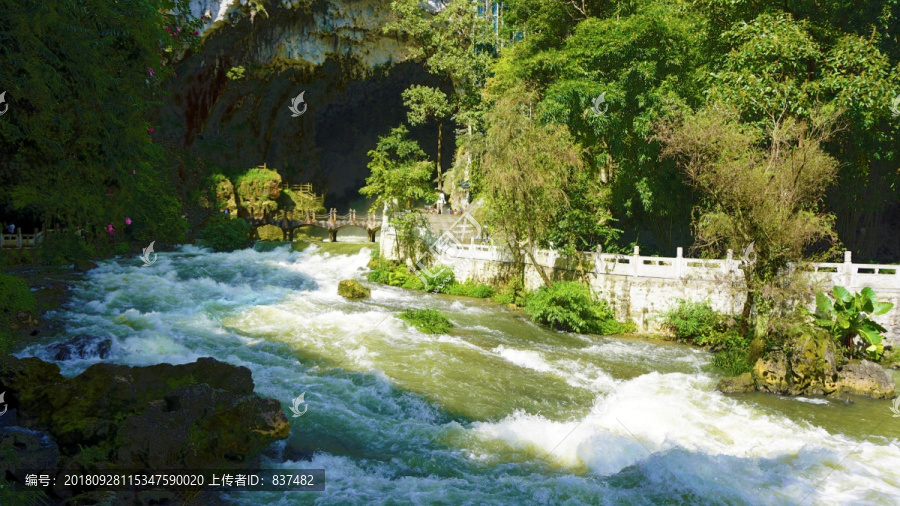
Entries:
{"x":400,"y":173}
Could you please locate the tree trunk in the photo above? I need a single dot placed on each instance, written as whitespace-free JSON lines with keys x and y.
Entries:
{"x":539,"y":269}
{"x":440,"y":139}
{"x":745,"y":314}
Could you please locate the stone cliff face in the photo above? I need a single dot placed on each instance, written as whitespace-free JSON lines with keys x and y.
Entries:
{"x":351,"y":73}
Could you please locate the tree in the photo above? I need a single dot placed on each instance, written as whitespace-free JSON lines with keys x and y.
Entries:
{"x":425,"y":102}
{"x":80,"y":78}
{"x":399,"y":171}
{"x":758,"y":187}
{"x":525,"y":166}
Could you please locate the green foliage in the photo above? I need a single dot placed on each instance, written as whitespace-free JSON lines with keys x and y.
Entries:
{"x":469,"y":288}
{"x":80,"y":79}
{"x":224,"y":234}
{"x":400,"y":173}
{"x":393,"y":274}
{"x":734,"y":359}
{"x":429,"y":321}
{"x":65,"y":249}
{"x":570,"y":306}
{"x":848,"y":316}
{"x":15,"y":296}
{"x":235,"y":73}
{"x":513,"y":292}
{"x":699,"y":323}
{"x":90,"y":456}
{"x":437,"y":278}
{"x":695,"y":322}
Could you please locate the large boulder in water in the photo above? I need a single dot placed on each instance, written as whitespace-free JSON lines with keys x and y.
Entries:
{"x":866,"y":378}
{"x":737,"y":384}
{"x":198,"y":415}
{"x":353,"y":290}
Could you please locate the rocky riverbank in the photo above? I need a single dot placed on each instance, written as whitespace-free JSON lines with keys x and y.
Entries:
{"x":202,"y":415}
{"x":813,"y":368}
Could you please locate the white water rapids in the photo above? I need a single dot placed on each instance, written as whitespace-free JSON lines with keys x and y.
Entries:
{"x":499,"y":411}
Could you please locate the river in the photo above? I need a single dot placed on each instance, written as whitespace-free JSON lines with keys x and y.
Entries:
{"x":499,"y":411}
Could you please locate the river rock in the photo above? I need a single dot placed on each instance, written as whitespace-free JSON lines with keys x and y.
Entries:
{"x":80,"y":346}
{"x":28,"y":449}
{"x":198,"y":415}
{"x":737,"y":384}
{"x":866,"y":378}
{"x":771,"y":373}
{"x":814,"y":364}
{"x":352,"y":289}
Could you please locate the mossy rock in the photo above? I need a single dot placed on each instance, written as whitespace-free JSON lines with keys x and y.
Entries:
{"x":771,"y":373}
{"x":352,"y":289}
{"x":198,"y":415}
{"x":737,"y":384}
{"x":814,"y":364}
{"x":258,"y":190}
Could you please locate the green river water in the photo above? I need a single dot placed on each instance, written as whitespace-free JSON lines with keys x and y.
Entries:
{"x":499,"y":411}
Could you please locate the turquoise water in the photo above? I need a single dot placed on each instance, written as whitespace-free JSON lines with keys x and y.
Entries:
{"x":499,"y":411}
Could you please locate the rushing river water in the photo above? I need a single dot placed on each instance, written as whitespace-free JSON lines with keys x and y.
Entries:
{"x":499,"y":411}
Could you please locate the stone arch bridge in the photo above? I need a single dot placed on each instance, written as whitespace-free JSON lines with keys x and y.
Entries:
{"x":332,"y":222}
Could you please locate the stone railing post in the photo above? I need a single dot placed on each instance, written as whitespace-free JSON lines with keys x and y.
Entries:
{"x":729,"y":260}
{"x":635,"y":261}
{"x":848,"y":270}
{"x":679,"y":262}
{"x":19,"y":239}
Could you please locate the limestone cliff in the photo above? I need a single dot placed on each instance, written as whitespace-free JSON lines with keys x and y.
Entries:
{"x":351,"y":72}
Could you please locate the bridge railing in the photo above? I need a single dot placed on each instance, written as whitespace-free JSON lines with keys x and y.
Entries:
{"x":18,"y":240}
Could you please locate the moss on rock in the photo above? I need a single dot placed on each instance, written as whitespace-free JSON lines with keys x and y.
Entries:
{"x":352,"y":289}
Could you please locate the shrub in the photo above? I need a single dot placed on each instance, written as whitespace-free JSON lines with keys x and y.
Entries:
{"x":15,"y":297}
{"x":569,"y":306}
{"x":513,"y":292}
{"x":224,"y":234}
{"x":437,"y":279}
{"x":64,"y":249}
{"x":848,"y":317}
{"x":695,"y":322}
{"x":429,"y":321}
{"x":469,"y":289}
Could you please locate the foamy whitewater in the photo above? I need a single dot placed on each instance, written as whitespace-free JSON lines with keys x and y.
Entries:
{"x":499,"y":411}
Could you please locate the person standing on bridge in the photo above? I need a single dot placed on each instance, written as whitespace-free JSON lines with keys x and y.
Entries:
{"x":440,"y":203}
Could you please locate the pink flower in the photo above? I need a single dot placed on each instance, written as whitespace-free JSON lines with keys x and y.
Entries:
{"x":150,"y":71}
{"x":178,"y":28}
{"x":134,"y":172}
{"x":127,"y":220}
{"x":150,"y":130}
{"x":196,"y":32}
{"x":167,"y":29}
{"x":176,"y":74}
{"x":109,"y":229}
